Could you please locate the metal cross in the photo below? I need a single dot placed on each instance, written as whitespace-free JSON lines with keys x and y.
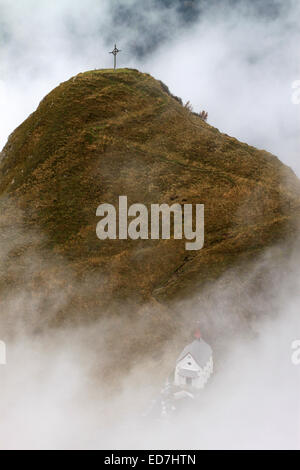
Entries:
{"x":115,"y":52}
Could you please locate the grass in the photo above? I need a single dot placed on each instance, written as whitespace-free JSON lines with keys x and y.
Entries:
{"x":105,"y":133}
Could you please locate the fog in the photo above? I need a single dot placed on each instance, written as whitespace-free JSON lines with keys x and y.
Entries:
{"x":56,"y":393}
{"x":53,"y":396}
{"x":238,"y":63}
{"x":240,"y":68}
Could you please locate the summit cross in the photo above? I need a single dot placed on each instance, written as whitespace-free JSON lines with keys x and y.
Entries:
{"x":115,"y":52}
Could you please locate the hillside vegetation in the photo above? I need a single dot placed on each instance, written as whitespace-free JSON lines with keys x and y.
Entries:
{"x":103,"y":134}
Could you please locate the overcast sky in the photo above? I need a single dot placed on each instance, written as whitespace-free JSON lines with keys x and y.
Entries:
{"x":237,"y":59}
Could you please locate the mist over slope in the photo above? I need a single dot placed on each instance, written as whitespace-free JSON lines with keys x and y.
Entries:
{"x":103,"y":134}
{"x":93,"y":328}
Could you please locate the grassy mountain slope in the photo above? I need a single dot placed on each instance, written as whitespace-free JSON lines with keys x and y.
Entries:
{"x":103,"y":134}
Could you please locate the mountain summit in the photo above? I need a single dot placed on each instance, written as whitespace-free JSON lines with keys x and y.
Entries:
{"x":103,"y":134}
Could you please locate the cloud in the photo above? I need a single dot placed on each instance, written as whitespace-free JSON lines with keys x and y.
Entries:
{"x":238,"y":62}
{"x":240,"y":67}
{"x":56,"y":393}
